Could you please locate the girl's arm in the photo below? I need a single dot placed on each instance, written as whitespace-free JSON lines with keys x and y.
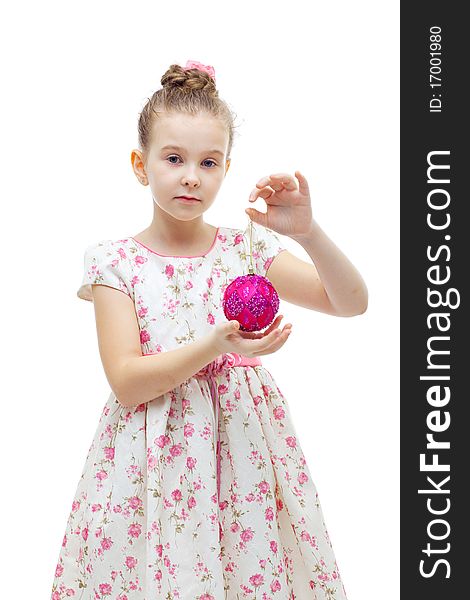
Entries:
{"x":331,"y":284}
{"x":137,"y":379}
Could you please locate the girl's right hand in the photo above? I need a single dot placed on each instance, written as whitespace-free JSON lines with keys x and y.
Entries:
{"x":227,"y":337}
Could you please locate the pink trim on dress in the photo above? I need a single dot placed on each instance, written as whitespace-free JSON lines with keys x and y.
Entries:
{"x":178,"y":255}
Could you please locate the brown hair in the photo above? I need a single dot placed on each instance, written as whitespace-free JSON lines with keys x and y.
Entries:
{"x":190,"y":91}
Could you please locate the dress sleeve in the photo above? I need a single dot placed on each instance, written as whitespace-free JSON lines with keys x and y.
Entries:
{"x":106,"y":263}
{"x":266,"y":245}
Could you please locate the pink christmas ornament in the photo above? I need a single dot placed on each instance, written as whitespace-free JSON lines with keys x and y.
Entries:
{"x":251,"y":299}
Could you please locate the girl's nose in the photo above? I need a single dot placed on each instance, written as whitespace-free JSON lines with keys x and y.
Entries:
{"x":190,"y":178}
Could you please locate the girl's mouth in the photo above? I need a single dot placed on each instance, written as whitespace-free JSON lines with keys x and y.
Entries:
{"x":186,"y":199}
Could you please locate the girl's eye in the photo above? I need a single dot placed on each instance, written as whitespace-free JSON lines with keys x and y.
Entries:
{"x":177,"y":157}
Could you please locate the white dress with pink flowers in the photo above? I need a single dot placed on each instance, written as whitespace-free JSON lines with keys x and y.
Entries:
{"x":152,"y":517}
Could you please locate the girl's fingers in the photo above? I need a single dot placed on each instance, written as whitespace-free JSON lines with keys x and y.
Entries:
{"x":266,"y":341}
{"x":265,"y":193}
{"x":285,"y":179}
{"x":282,"y":339}
{"x":250,"y":335}
{"x":255,"y":335}
{"x":275,"y":346}
{"x":274,"y":340}
{"x":273,"y":325}
{"x":276,"y":182}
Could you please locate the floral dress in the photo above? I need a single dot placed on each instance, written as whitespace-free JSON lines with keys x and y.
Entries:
{"x":157,"y":513}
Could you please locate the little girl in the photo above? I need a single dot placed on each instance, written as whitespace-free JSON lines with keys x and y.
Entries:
{"x":195,"y":485}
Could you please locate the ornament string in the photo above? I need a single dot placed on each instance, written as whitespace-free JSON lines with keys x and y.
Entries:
{"x":250,"y":266}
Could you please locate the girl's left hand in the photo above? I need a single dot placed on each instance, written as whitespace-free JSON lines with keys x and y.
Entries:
{"x":289,"y":210}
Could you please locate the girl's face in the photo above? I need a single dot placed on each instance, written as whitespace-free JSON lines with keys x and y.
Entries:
{"x":187,"y":157}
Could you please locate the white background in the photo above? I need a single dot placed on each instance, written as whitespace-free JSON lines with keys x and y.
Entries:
{"x":315,"y":87}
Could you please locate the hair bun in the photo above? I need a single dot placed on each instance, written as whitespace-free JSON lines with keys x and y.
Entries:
{"x":186,"y":90}
{"x":189,"y":79}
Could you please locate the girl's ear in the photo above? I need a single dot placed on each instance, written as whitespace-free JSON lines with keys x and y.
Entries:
{"x":138,"y":166}
{"x":227,"y":165}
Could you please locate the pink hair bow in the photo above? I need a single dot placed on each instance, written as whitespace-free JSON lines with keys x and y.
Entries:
{"x":193,"y":64}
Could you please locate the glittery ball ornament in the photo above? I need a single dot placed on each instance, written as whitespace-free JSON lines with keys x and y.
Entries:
{"x":251,"y":299}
